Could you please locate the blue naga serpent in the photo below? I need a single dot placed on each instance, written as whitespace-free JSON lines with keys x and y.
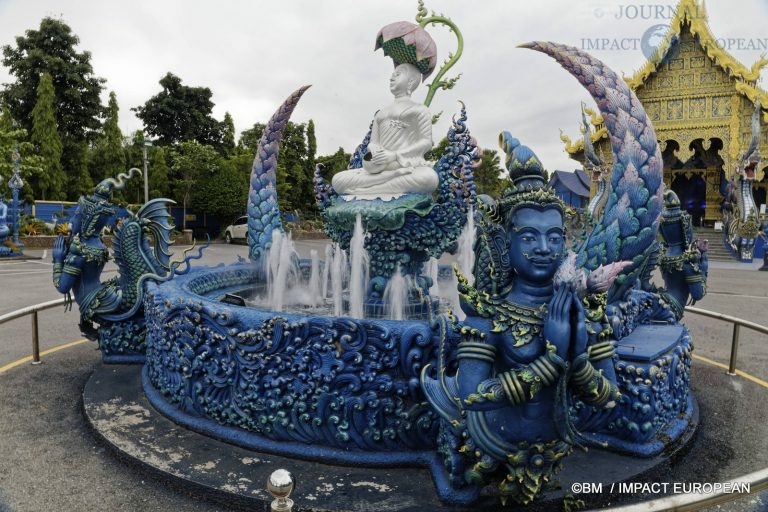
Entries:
{"x":263,"y":209}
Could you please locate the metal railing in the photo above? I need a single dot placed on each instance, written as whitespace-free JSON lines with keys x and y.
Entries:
{"x":32,"y":310}
{"x":758,"y":481}
{"x":737,"y":323}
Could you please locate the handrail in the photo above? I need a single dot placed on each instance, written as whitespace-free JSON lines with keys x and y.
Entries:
{"x":758,"y":481}
{"x":32,"y":310}
{"x":737,"y":323}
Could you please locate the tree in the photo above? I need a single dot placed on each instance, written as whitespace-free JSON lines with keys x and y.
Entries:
{"x":331,"y":164}
{"x":311,"y":147}
{"x":249,"y":139}
{"x":108,"y":157}
{"x":133,"y":147}
{"x":80,"y":182}
{"x":294,"y":186}
{"x":158,"y":174}
{"x":228,"y":135}
{"x":223,"y":193}
{"x":295,"y":190}
{"x":487,"y":174}
{"x":77,"y":105}
{"x":436,"y":152}
{"x":192,"y":161}
{"x":181,"y":113}
{"x":45,"y":136}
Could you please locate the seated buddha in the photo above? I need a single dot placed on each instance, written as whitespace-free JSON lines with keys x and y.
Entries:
{"x":400,"y":136}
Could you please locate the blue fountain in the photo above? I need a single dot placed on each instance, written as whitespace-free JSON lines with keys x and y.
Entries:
{"x":548,"y":350}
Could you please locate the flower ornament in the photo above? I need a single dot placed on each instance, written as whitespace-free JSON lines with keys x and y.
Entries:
{"x":570,"y":275}
{"x":600,"y":279}
{"x":408,"y":43}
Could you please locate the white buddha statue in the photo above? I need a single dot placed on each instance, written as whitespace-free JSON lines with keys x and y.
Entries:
{"x":400,"y":136}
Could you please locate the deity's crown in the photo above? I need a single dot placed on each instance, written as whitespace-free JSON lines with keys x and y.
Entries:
{"x":529,"y":187}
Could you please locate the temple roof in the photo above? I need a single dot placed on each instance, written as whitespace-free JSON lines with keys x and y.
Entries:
{"x":575,"y":181}
{"x":694,"y":12}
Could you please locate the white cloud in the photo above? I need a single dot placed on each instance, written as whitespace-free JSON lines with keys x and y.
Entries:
{"x":253,"y":54}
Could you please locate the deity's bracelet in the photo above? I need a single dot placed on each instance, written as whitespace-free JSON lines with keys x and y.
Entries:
{"x":600,"y":351}
{"x":523,"y":384}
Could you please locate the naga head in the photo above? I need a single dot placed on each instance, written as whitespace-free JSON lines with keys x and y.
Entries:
{"x":676,"y":226}
{"x":95,"y":210}
{"x":750,"y":158}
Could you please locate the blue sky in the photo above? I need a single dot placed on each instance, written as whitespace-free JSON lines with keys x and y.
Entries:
{"x":253,"y":54}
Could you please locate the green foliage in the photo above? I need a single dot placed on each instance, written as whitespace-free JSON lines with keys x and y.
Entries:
{"x":311,"y":147}
{"x":249,"y":139}
{"x":223,"y":193}
{"x":31,"y":226}
{"x":295,"y":190}
{"x":107,"y":158}
{"x":134,"y":157}
{"x":332,"y":164}
{"x":50,"y":50}
{"x":45,"y":136}
{"x":158,"y":174}
{"x":192,"y":162}
{"x":228,"y":135}
{"x":80,"y":182}
{"x":436,"y":152}
{"x":181,"y":113}
{"x":487,"y":174}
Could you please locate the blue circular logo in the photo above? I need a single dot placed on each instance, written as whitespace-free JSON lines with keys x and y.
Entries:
{"x":652,"y":38}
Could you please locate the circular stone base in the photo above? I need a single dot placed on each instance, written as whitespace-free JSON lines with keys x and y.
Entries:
{"x":120,"y":414}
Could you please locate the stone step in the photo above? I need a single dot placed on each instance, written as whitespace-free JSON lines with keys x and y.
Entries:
{"x":717,"y":251}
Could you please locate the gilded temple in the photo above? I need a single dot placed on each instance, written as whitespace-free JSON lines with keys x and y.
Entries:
{"x":700,"y":99}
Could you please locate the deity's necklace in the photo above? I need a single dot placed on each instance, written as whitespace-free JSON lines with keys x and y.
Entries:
{"x":524,"y":323}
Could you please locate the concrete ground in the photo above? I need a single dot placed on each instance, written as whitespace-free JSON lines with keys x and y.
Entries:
{"x":49,"y":460}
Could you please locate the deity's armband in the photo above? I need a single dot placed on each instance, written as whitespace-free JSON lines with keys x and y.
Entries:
{"x":590,"y":385}
{"x":73,"y":263}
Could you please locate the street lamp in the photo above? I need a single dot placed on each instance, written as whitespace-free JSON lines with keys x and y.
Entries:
{"x":146,"y":145}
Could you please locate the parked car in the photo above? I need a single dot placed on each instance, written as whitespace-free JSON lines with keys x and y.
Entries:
{"x":237,"y":230}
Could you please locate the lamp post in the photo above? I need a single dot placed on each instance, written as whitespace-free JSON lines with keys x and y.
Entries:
{"x":146,"y":144}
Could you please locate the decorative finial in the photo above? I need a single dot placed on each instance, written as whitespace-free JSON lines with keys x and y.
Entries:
{"x":16,"y":182}
{"x":280,"y":485}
